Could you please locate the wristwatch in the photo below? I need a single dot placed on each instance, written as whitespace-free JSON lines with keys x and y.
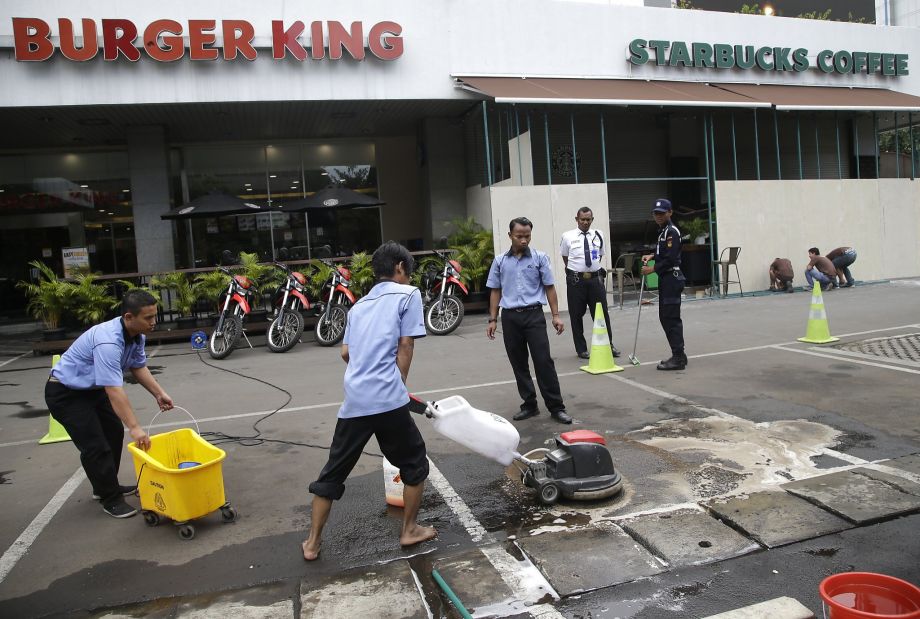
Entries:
{"x":493,"y":319}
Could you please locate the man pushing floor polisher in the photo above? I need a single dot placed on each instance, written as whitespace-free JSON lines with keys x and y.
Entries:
{"x":580,"y":467}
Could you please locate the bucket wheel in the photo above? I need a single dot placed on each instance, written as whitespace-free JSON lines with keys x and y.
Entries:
{"x":186,"y":531}
{"x":228,"y":513}
{"x":151,"y":518}
{"x":549,"y":493}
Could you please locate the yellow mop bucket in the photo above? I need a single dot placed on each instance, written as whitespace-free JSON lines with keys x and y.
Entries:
{"x":180,"y":478}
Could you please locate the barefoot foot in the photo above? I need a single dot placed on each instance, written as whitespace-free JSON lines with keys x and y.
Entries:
{"x":310,"y":551}
{"x":416,"y":535}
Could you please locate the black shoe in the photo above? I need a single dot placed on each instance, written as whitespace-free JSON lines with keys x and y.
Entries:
{"x":847,"y":285}
{"x":674,"y":363}
{"x":125,"y":491}
{"x":584,"y":355}
{"x":561,"y":416}
{"x":790,"y":288}
{"x":119,"y":509}
{"x":614,"y":350}
{"x":526,"y":413}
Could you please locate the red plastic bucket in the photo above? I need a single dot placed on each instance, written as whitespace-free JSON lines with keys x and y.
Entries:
{"x":864,"y":595}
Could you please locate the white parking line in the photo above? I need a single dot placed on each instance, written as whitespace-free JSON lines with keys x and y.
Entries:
{"x":22,"y":544}
{"x":836,"y":357}
{"x":15,"y":358}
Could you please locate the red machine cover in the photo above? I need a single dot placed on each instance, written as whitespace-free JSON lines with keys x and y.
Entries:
{"x":582,"y":436}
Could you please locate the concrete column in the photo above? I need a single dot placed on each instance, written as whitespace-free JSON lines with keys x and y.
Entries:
{"x":149,"y":170}
{"x":444,"y":176}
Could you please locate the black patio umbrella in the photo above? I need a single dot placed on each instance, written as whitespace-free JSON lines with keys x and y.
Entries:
{"x":332,"y":197}
{"x":215,"y":204}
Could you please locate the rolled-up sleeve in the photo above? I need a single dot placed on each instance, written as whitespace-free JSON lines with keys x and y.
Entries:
{"x":494,"y":280}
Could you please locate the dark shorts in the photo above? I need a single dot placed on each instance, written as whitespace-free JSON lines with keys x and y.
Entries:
{"x":399,"y":440}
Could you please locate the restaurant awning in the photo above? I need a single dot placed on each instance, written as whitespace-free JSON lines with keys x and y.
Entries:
{"x":786,"y":97}
{"x":696,"y":94}
{"x":605,"y":91}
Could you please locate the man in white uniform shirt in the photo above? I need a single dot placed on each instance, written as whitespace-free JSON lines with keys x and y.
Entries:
{"x":582,"y":252}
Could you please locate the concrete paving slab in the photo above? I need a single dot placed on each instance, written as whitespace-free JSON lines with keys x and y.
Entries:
{"x":688,"y":537}
{"x":779,"y":608}
{"x":776,"y":518}
{"x":272,"y":601}
{"x":475,"y":581}
{"x":910,"y":463}
{"x":856,"y":496}
{"x":387,"y":592}
{"x":591,"y":558}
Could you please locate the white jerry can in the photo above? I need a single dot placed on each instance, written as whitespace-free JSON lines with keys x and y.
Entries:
{"x":485,"y":433}
{"x":392,"y":485}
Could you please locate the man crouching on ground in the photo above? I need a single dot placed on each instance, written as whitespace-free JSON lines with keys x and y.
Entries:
{"x":378,"y":345}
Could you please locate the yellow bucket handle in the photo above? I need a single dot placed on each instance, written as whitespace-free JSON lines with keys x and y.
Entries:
{"x":197,"y":429}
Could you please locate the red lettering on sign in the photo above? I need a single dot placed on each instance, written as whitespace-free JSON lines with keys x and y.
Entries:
{"x":30,"y":38}
{"x":118,"y":36}
{"x":69,"y":42}
{"x":340,"y":39}
{"x":242,"y":43}
{"x":199,"y":35}
{"x":383,"y":46}
{"x":172,"y":48}
{"x":286,"y":40}
{"x":317,"y":49}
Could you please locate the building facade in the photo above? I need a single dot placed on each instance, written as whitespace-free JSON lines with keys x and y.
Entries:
{"x":779,"y":134}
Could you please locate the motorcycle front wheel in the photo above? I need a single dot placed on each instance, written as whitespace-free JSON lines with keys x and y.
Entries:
{"x":285,"y":330}
{"x":221,"y":344}
{"x":330,"y":328}
{"x":442,"y":317}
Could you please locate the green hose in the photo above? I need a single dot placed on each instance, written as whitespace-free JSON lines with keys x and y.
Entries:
{"x":451,"y":595}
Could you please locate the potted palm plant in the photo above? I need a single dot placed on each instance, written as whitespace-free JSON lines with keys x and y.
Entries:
{"x":92,"y":301}
{"x":264,"y":278}
{"x":211,"y":286}
{"x":49,"y":297}
{"x":362,"y":273}
{"x":182,"y":296}
{"x":474,"y":250}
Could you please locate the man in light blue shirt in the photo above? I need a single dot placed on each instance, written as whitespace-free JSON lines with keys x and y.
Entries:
{"x":378,"y":347}
{"x":522,"y":282}
{"x":85,"y":393}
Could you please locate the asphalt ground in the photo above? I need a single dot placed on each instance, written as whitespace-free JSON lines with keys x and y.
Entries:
{"x":755,"y":409}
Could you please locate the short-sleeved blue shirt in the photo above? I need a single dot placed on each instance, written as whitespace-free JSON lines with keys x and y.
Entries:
{"x":99,"y":357}
{"x":522,"y":279}
{"x":373,"y":383}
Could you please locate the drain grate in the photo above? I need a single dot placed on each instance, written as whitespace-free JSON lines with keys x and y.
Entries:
{"x":900,"y":347}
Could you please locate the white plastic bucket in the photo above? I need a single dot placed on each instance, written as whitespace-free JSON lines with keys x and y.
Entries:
{"x":392,"y":485}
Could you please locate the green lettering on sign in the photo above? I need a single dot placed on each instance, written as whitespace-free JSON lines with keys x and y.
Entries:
{"x":638,"y":55}
{"x":680,"y":55}
{"x":723,"y":54}
{"x":900,"y":64}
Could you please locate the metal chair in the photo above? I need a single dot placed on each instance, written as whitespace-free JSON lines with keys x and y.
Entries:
{"x":625,"y":272}
{"x":723,"y":263}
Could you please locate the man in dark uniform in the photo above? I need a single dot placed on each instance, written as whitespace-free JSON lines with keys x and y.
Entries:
{"x":522,"y":283}
{"x":670,"y":283}
{"x":582,"y":250}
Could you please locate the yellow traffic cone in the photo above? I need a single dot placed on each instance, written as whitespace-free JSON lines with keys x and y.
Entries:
{"x":818,"y":331}
{"x":56,"y":432}
{"x":601,"y":361}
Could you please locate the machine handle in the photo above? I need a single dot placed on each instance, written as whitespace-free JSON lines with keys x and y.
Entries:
{"x":195,"y":421}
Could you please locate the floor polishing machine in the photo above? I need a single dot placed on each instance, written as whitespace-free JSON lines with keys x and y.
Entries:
{"x":579,"y":467}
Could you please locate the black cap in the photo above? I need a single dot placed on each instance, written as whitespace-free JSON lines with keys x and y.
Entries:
{"x":662,"y":205}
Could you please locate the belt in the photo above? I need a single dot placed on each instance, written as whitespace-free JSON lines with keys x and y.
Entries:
{"x":527,"y":308}
{"x":585,"y":275}
{"x":52,"y":379}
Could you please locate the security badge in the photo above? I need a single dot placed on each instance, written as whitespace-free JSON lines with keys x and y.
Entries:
{"x":670,"y":242}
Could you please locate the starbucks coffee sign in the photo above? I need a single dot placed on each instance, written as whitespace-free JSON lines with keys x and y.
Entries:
{"x":726,"y":56}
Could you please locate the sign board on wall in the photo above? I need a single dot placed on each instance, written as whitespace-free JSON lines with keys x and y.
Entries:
{"x":167,"y":40}
{"x":74,"y":259}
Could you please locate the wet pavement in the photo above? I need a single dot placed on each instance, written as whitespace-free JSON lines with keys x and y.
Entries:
{"x":764,"y":467}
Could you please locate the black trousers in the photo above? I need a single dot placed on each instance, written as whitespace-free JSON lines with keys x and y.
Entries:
{"x":399,"y":440}
{"x":670,"y":287}
{"x":95,"y":430}
{"x":523,"y":330}
{"x":585,"y":294}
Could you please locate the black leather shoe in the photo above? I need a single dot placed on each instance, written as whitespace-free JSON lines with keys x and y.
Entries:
{"x":526,"y":413}
{"x":584,"y":355}
{"x":674,"y":363}
{"x":615,"y":350}
{"x":561,"y":416}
